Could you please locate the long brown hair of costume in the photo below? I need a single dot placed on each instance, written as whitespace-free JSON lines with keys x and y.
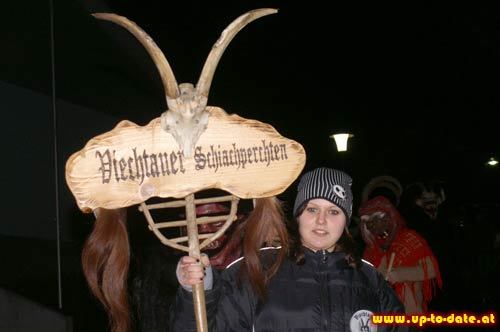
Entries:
{"x":264,"y":226}
{"x":345,"y":244}
{"x":105,"y":261}
{"x":106,"y":256}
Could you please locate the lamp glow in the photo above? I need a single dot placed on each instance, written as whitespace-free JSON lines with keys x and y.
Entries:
{"x":492,"y":162}
{"x":341,"y":141}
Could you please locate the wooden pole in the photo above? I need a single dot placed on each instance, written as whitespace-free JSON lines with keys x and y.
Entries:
{"x":389,"y":267}
{"x":194,"y":251}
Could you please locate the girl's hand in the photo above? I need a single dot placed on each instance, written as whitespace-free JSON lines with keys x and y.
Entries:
{"x":191,"y":270}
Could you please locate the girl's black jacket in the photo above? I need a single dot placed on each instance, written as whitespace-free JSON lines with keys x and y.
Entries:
{"x":323,"y":294}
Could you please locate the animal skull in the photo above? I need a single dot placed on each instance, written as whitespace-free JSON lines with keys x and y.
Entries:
{"x":186,"y":118}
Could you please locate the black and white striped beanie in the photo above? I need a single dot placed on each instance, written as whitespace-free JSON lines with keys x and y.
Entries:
{"x":327,"y":183}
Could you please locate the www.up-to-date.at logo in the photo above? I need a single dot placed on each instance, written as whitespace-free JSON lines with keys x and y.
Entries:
{"x":361,"y":322}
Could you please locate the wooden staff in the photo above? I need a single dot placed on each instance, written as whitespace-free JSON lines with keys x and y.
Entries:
{"x":194,"y":251}
{"x":389,"y":268}
{"x":194,"y":247}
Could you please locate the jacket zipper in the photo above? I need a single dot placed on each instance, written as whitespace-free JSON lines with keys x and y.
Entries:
{"x":324,"y":291}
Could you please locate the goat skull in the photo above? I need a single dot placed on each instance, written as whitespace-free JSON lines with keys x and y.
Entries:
{"x":186,"y":118}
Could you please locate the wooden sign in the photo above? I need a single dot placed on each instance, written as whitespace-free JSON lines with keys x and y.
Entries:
{"x":130,"y":163}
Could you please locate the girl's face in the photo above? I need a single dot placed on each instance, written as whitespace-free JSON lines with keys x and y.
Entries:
{"x":321,"y":224}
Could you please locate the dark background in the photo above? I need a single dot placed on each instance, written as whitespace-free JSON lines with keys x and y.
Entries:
{"x":416,"y":83}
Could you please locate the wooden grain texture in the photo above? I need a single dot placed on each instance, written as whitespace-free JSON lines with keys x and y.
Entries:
{"x":132,"y":163}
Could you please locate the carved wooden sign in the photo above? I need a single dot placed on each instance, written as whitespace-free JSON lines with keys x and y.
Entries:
{"x":130,"y":163}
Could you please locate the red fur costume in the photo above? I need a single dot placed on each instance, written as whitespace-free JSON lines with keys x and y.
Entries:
{"x":415,"y":270}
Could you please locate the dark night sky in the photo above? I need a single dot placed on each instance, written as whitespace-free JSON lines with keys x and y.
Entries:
{"x":417,"y":84}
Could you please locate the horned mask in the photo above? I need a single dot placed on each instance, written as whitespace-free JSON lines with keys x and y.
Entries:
{"x":186,"y":117}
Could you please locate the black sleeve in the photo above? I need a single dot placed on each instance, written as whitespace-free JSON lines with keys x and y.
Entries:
{"x":182,"y":316}
{"x":230,"y":306}
{"x":389,"y":302}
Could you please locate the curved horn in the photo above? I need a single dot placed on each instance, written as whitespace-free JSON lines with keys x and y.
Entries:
{"x":166,"y":73}
{"x":383,"y":181}
{"x":207,"y":74}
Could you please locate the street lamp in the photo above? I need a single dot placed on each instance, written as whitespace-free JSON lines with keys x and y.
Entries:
{"x":492,"y":162}
{"x":341,"y":143}
{"x":341,"y":140}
